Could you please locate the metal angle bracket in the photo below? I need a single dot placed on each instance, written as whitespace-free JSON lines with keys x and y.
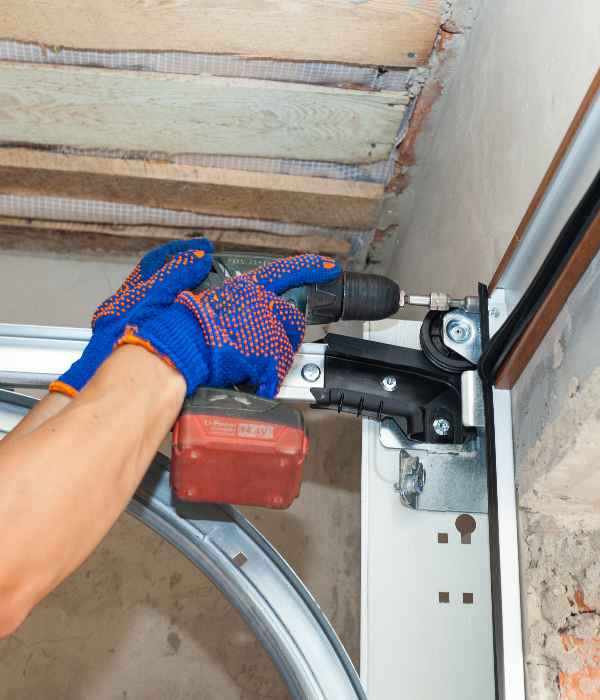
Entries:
{"x":451,"y":482}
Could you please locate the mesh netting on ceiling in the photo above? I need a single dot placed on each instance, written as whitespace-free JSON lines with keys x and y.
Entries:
{"x":229,"y":66}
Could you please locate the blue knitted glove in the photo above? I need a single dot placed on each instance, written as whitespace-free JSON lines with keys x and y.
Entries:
{"x":154,"y":282}
{"x":241,"y":332}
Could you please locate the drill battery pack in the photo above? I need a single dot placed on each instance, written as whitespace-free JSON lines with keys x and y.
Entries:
{"x":234,"y":447}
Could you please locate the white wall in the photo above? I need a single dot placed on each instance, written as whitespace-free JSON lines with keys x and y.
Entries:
{"x":56,"y":290}
{"x":508,"y":99}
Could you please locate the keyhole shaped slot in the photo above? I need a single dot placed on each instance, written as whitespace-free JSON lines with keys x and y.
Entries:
{"x":466,"y":525}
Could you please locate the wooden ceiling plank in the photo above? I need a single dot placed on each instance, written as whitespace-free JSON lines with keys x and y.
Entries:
{"x":73,"y":236}
{"x":387,"y":32}
{"x":211,"y":191}
{"x":98,"y":108}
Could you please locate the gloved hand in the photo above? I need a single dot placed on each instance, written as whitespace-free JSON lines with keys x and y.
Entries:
{"x":241,"y":332}
{"x":154,"y":282}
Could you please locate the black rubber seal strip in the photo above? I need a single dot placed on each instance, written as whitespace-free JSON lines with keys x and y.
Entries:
{"x":493,"y":527}
{"x":504,"y":340}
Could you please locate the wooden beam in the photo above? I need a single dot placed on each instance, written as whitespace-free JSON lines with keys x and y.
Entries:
{"x":97,"y":108}
{"x":237,"y":193}
{"x":388,"y":32}
{"x":71,"y":236}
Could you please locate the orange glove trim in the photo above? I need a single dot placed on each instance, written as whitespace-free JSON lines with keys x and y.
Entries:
{"x":130,"y":339}
{"x":59,"y":387}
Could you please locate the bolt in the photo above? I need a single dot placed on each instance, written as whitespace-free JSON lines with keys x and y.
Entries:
{"x":420,"y":476}
{"x":458,"y":331}
{"x":310,"y":372}
{"x":413,"y":482}
{"x":412,"y":478}
{"x":389,"y":383}
{"x":441,"y":426}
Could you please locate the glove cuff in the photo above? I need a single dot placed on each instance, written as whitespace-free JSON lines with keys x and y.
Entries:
{"x":176,"y":338}
{"x":61,"y":387}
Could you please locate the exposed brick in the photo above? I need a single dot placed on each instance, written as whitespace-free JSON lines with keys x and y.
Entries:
{"x":583,"y":684}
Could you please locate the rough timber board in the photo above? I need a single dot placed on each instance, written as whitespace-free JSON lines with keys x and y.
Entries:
{"x":237,"y":193}
{"x":387,"y":32}
{"x":143,"y":111}
{"x":67,"y":236}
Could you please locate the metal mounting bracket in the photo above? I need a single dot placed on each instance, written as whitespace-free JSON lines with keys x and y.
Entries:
{"x":447,"y":477}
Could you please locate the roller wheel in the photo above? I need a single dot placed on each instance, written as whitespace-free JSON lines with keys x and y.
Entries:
{"x":434,"y":349}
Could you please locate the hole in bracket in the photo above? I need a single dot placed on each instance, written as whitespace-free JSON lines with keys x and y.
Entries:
{"x":466,"y":525}
{"x":468,"y":598}
{"x":442,"y":538}
{"x":444,"y":597}
{"x":240,"y":559}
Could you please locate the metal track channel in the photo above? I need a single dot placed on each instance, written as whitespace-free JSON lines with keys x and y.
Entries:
{"x":34,"y":356}
{"x":250,"y":573}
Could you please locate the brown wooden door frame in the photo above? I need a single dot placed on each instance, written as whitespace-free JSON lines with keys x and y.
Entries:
{"x":589,"y":246}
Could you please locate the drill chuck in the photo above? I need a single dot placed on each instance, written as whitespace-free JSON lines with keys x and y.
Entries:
{"x":353,"y":296}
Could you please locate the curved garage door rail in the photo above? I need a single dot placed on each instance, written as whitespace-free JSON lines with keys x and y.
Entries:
{"x":249,"y":572}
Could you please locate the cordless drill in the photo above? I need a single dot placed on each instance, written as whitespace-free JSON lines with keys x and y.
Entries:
{"x":234,"y":447}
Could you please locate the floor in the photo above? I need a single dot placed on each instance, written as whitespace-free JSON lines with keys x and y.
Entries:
{"x":137,"y":621}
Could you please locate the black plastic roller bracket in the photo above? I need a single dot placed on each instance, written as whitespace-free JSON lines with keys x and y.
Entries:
{"x":354,"y":374}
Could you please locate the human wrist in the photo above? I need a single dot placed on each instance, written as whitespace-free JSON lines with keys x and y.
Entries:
{"x":176,"y":338}
{"x":144,"y":371}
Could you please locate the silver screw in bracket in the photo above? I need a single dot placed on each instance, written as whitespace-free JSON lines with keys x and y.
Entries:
{"x":310,"y":372}
{"x":459,"y":332}
{"x":441,"y":427}
{"x":389,"y":383}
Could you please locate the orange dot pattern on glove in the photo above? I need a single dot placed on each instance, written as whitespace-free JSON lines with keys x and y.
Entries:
{"x":135,"y":288}
{"x":242,"y":332}
{"x":279,"y":275}
{"x":244,"y":316}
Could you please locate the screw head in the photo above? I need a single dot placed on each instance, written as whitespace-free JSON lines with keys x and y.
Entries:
{"x":441,"y":426}
{"x":389,"y":383}
{"x":310,"y":372}
{"x":458,"y":331}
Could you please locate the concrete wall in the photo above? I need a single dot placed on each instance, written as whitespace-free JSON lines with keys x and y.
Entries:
{"x":510,"y":87}
{"x":557,"y":446}
{"x":137,"y":621}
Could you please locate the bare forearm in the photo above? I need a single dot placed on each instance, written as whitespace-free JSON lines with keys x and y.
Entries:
{"x":45,"y":409}
{"x":76,"y":472}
